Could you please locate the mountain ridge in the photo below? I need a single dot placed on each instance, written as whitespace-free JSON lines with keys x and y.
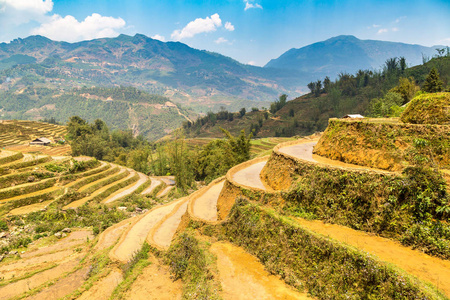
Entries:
{"x":348,"y":54}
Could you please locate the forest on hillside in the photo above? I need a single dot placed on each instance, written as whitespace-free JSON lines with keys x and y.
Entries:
{"x":120,"y":107}
{"x":370,"y":93}
{"x":175,"y":157}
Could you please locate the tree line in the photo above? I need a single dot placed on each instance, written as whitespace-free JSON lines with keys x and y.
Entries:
{"x":186,"y":163}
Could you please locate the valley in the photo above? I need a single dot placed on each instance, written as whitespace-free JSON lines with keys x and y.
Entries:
{"x":135,"y":168}
{"x":306,"y":218}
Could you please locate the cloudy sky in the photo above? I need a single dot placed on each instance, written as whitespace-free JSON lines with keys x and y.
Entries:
{"x":251,"y":31}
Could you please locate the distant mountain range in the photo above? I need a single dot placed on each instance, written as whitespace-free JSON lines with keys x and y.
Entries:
{"x":346,"y":53}
{"x":199,"y":79}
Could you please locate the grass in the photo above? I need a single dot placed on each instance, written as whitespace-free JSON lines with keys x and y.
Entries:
{"x":189,"y":260}
{"x":328,"y":269}
{"x":131,"y":271}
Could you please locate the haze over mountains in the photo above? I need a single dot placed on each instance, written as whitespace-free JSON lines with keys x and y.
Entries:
{"x":346,"y":53}
{"x":200,"y":79}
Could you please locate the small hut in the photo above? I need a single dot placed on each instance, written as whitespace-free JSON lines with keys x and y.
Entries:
{"x":355,"y":116}
{"x":41,"y":141}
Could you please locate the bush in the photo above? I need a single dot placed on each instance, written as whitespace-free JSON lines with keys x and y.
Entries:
{"x":3,"y":225}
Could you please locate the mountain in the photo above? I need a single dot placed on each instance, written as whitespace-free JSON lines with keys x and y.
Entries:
{"x":346,"y":53}
{"x":200,"y":79}
{"x":305,"y":115}
{"x":125,"y":108}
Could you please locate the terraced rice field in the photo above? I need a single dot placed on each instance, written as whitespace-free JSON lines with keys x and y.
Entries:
{"x":60,"y":271}
{"x":16,"y":132}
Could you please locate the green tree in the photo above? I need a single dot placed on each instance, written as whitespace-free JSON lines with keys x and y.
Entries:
{"x":432,"y":83}
{"x":406,"y":87}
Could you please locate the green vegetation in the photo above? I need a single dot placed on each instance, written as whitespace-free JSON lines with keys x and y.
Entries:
{"x":432,"y":83}
{"x":173,"y":157}
{"x":131,"y":271}
{"x":386,"y":145}
{"x":428,"y":109}
{"x":202,"y":163}
{"x":327,"y":269}
{"x":189,"y":260}
{"x":121,"y":108}
{"x":371,"y":93}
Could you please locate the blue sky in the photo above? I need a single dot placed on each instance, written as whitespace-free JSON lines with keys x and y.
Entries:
{"x":251,"y":31}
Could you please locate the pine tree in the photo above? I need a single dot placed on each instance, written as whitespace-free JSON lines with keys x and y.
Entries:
{"x":432,"y":83}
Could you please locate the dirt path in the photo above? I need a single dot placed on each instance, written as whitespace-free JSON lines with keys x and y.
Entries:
{"x":243,"y":277}
{"x":134,"y":238}
{"x":205,"y":207}
{"x":425,"y":267}
{"x":155,"y":284}
{"x":153,"y":185}
{"x":250,"y":176}
{"x":165,"y":231}
{"x":127,"y":190}
{"x":103,"y":289}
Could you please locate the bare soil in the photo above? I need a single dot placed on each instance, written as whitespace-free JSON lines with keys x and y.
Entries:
{"x":205,"y":206}
{"x":243,"y":277}
{"x":103,"y":289}
{"x":153,"y":185}
{"x":134,"y":238}
{"x":424,"y":267}
{"x":155,"y":284}
{"x":250,"y":176}
{"x":166,"y":230}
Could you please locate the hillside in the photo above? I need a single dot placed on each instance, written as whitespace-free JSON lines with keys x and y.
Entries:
{"x":347,"y":54}
{"x":349,"y":94}
{"x":151,"y":116}
{"x":200,"y":79}
{"x":86,"y":229}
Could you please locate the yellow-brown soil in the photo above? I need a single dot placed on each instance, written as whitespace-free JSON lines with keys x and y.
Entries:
{"x":205,"y":207}
{"x":103,"y":289}
{"x":63,"y":286}
{"x":164,"y":231}
{"x":133,"y":239}
{"x":424,"y":267}
{"x":155,"y":284}
{"x":243,"y":277}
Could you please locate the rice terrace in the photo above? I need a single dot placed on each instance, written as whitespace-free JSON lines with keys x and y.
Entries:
{"x":230,"y":150}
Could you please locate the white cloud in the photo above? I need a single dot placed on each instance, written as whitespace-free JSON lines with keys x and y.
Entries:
{"x":398,"y":20}
{"x":221,"y":40}
{"x":197,"y":26}
{"x":252,"y":63}
{"x":382,"y":30}
{"x":159,"y":38}
{"x":394,"y":29}
{"x":250,"y":4}
{"x":70,"y":29}
{"x":229,"y":26}
{"x":16,"y":12}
